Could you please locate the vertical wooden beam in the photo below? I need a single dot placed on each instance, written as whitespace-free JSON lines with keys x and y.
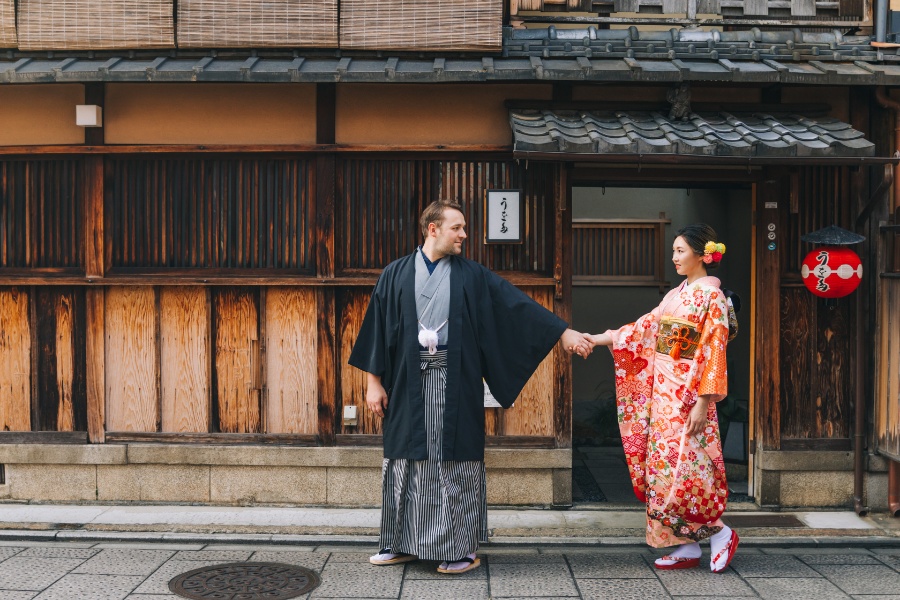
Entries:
{"x":767,"y":376}
{"x":328,"y":382}
{"x":95,"y":93}
{"x":96,"y":365}
{"x":562,"y":306}
{"x":93,"y":223}
{"x":327,"y":351}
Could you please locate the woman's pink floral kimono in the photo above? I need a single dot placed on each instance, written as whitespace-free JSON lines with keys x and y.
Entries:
{"x":664,"y":361}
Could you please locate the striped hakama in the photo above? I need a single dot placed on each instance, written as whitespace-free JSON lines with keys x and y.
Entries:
{"x":434,"y":509}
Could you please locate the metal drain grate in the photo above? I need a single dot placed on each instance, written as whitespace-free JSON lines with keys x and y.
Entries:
{"x":245,"y":581}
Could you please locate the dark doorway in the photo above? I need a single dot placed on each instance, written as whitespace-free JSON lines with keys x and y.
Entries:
{"x":604,"y":301}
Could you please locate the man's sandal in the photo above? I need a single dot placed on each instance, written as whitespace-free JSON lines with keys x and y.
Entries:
{"x":669,"y":562}
{"x":727,"y":552}
{"x":474,"y":563}
{"x":386,"y":557}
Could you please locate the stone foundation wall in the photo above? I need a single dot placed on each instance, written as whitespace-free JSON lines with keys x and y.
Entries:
{"x":815,"y":478}
{"x":247,"y":475}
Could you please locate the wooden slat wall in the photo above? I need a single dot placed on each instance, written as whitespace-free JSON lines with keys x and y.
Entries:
{"x":95,"y":24}
{"x":238,"y":364}
{"x":380,"y":203}
{"x":421,"y":25}
{"x":616,"y":252}
{"x":132,"y":367}
{"x":254,"y":24}
{"x":817,"y":358}
{"x":467,"y":182}
{"x":291,"y":355}
{"x":353,"y":303}
{"x":210,"y":214}
{"x":40,"y":214}
{"x":184,"y":359}
{"x":8,"y":24}
{"x":15,"y":360}
{"x":60,"y":360}
{"x":532,"y":414}
{"x":887,"y":402}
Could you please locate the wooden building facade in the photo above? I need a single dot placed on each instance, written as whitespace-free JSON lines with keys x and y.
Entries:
{"x":181,"y":287}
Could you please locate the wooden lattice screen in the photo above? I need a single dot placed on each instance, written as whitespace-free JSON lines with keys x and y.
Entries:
{"x":210,"y":214}
{"x":380,"y":202}
{"x":40,"y":214}
{"x":7,"y":24}
{"x":95,"y":24}
{"x":618,"y":252}
{"x":421,"y":25}
{"x":254,"y":24}
{"x":887,"y":403}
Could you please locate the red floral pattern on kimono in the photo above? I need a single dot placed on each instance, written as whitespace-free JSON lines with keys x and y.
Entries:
{"x":681,"y":478}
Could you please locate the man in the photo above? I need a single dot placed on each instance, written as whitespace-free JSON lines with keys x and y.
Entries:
{"x":437,"y":326}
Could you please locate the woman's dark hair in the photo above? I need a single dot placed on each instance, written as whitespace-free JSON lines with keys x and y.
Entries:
{"x":696,"y":236}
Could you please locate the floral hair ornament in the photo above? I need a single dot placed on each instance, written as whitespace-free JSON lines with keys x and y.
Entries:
{"x":712,"y":252}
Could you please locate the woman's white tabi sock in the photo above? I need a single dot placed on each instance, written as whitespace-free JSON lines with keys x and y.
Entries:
{"x":717,"y":544}
{"x":687,"y":551}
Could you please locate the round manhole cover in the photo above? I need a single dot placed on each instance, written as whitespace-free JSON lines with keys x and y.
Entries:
{"x":245,"y":581}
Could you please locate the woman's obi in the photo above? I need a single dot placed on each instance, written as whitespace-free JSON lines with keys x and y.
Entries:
{"x":678,"y":338}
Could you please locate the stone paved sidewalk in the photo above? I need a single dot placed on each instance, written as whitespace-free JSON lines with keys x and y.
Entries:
{"x":141,"y":571}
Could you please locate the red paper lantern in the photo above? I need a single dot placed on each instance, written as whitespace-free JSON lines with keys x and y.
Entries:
{"x":831,"y":271}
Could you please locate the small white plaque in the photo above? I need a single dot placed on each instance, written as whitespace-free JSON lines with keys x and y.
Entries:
{"x":489,"y":400}
{"x":503,"y":216}
{"x":771,"y":205}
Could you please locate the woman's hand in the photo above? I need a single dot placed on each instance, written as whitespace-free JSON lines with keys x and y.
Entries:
{"x":599,"y":339}
{"x":696,"y":421}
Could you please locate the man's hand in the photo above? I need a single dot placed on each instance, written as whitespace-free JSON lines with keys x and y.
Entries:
{"x":376,"y":397}
{"x":696,"y":421}
{"x":575,"y":343}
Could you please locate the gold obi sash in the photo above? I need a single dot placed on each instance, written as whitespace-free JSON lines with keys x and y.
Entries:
{"x":677,"y":337}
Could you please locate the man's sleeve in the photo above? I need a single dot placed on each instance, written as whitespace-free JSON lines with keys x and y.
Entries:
{"x":369,"y":349}
{"x":517,"y":333}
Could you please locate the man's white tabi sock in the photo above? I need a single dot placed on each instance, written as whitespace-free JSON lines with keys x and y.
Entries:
{"x":456,"y":566}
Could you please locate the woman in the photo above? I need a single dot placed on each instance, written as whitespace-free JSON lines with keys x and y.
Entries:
{"x":670,"y":372}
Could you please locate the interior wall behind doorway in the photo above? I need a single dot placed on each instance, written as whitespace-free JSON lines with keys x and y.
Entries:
{"x":596,"y":309}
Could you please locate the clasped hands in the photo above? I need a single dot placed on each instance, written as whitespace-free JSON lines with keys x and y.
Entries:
{"x":581,"y":344}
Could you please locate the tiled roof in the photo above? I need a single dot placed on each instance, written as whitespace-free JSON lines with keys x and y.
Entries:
{"x":709,"y":134}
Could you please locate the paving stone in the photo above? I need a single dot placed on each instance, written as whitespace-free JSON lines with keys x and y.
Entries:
{"x":441,"y":590}
{"x":610,"y":566}
{"x":149,"y":546}
{"x":158,"y":582}
{"x":17,"y":595}
{"x":26,"y":573}
{"x":310,"y":560}
{"x":891,"y":561}
{"x":427,"y":569}
{"x":703,"y":582}
{"x":120,"y":561}
{"x":9,"y":551}
{"x":351,"y":557}
{"x":877,"y":597}
{"x":779,"y":588}
{"x":769,"y":566}
{"x":261,"y":548}
{"x":224,"y":556}
{"x":548,"y":558}
{"x":518,"y":580}
{"x":837,"y":559}
{"x":59,"y":552}
{"x":91,"y":587}
{"x":154,"y":597}
{"x":621,"y":589}
{"x":359,"y":580}
{"x":862,"y":579}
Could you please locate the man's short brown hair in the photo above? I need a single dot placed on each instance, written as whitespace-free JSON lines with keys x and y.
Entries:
{"x":434,"y":213}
